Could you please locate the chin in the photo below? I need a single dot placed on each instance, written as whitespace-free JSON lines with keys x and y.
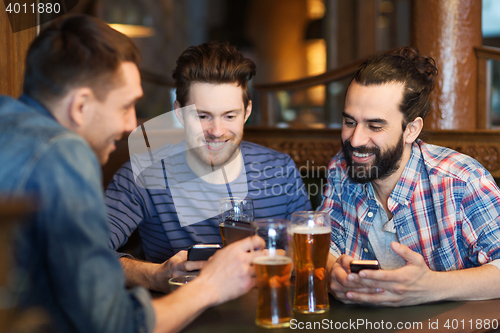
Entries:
{"x":103,"y":159}
{"x":102,"y":155}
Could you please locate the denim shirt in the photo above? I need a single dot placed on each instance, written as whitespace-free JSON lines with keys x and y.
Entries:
{"x":63,"y":262}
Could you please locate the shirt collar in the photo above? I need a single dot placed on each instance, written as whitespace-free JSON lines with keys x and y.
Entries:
{"x":36,"y":105}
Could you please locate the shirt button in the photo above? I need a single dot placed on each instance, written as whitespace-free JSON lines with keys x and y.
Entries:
{"x":366,"y":250}
{"x":406,"y":202}
{"x":370,"y":214}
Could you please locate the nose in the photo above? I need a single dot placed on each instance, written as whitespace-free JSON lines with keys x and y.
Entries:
{"x":216,"y":128}
{"x":130,"y":122}
{"x":359,"y":137}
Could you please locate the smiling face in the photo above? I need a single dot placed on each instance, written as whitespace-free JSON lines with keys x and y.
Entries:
{"x":373,"y":142}
{"x":214,"y":126}
{"x":115,"y":115}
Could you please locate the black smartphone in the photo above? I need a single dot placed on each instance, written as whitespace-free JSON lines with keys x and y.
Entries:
{"x":202,"y":251}
{"x":357,"y":265}
{"x":237,"y":230}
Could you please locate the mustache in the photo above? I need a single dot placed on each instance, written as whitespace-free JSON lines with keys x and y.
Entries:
{"x":361,"y":149}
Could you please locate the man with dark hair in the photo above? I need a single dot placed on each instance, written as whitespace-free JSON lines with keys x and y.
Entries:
{"x":428,"y":214}
{"x":81,"y":86}
{"x":174,"y":201}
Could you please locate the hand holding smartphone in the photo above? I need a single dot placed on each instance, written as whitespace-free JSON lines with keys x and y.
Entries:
{"x":357,"y":265}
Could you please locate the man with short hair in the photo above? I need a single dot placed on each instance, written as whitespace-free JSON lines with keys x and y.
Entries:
{"x":81,"y":85}
{"x":173,"y":201}
{"x":428,"y":214}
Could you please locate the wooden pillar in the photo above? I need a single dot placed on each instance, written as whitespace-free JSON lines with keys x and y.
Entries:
{"x":13,"y":48}
{"x":448,"y":31}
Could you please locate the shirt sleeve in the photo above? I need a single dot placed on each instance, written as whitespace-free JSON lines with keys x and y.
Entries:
{"x":126,"y":206}
{"x":86,"y":279}
{"x":481,"y":210}
{"x":332,"y":204}
{"x":495,"y":263}
{"x":298,"y":198}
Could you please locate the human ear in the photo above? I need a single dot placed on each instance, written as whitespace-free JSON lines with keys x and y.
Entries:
{"x":413,"y":130}
{"x":179,"y":113}
{"x":80,"y":109}
{"x":248,"y":111}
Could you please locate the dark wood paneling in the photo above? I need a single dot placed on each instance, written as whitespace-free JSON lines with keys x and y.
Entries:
{"x":13,"y":47}
{"x":312,"y":149}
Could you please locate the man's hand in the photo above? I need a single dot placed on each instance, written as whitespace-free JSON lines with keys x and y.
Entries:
{"x":155,"y":276}
{"x":229,"y":272}
{"x":178,"y":265}
{"x":227,"y":275}
{"x":340,"y":283}
{"x":409,"y":285}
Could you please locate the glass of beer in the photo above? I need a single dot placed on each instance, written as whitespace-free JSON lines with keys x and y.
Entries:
{"x":311,"y":243}
{"x":235,"y":219}
{"x":273,"y":271}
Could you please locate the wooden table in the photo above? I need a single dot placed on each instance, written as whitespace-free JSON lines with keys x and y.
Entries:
{"x":239,"y":315}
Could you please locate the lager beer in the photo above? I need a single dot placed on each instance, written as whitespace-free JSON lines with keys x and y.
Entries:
{"x":223,"y":234}
{"x":311,"y":246}
{"x":273,"y":281}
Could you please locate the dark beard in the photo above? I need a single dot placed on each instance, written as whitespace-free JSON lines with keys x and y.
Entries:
{"x":384,"y":166}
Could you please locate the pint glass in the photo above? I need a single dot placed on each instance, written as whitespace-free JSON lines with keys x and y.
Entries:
{"x":235,"y":219}
{"x":273,"y":272}
{"x":311,"y":242}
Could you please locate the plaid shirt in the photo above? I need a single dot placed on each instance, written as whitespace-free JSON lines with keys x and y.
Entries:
{"x":445,"y":206}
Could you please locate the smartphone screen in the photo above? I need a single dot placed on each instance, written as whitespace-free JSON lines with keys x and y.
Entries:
{"x":357,"y":265}
{"x":202,"y":251}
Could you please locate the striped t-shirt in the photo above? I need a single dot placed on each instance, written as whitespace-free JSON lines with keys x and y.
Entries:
{"x":169,"y":204}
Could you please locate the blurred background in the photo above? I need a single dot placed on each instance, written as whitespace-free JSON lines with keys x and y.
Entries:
{"x":287,"y":39}
{"x":306,"y":53}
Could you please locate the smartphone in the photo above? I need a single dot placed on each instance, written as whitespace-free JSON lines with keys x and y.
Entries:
{"x":357,"y":265}
{"x":236,"y":230}
{"x":202,"y":251}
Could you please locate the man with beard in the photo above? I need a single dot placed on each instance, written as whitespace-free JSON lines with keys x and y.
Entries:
{"x":428,"y":214}
{"x":171,"y":194}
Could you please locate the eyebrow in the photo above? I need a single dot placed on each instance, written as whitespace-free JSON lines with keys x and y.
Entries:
{"x":374,"y":120}
{"x":133,"y":102}
{"x":203,"y":111}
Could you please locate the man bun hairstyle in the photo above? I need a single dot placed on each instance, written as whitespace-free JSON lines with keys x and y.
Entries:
{"x":407,"y":66}
{"x":79,"y":51}
{"x":215,"y":63}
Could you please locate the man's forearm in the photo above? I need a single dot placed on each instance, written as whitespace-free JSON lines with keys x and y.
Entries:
{"x":176,"y":310}
{"x":141,"y":273}
{"x":476,"y":283}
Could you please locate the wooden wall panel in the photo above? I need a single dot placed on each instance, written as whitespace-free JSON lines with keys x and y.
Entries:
{"x":13,"y":48}
{"x":312,"y":149}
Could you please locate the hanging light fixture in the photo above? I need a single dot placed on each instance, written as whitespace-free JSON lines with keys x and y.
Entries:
{"x":129,"y":17}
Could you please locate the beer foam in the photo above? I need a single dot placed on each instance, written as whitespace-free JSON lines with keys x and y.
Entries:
{"x":278,"y":260}
{"x":311,"y":231}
